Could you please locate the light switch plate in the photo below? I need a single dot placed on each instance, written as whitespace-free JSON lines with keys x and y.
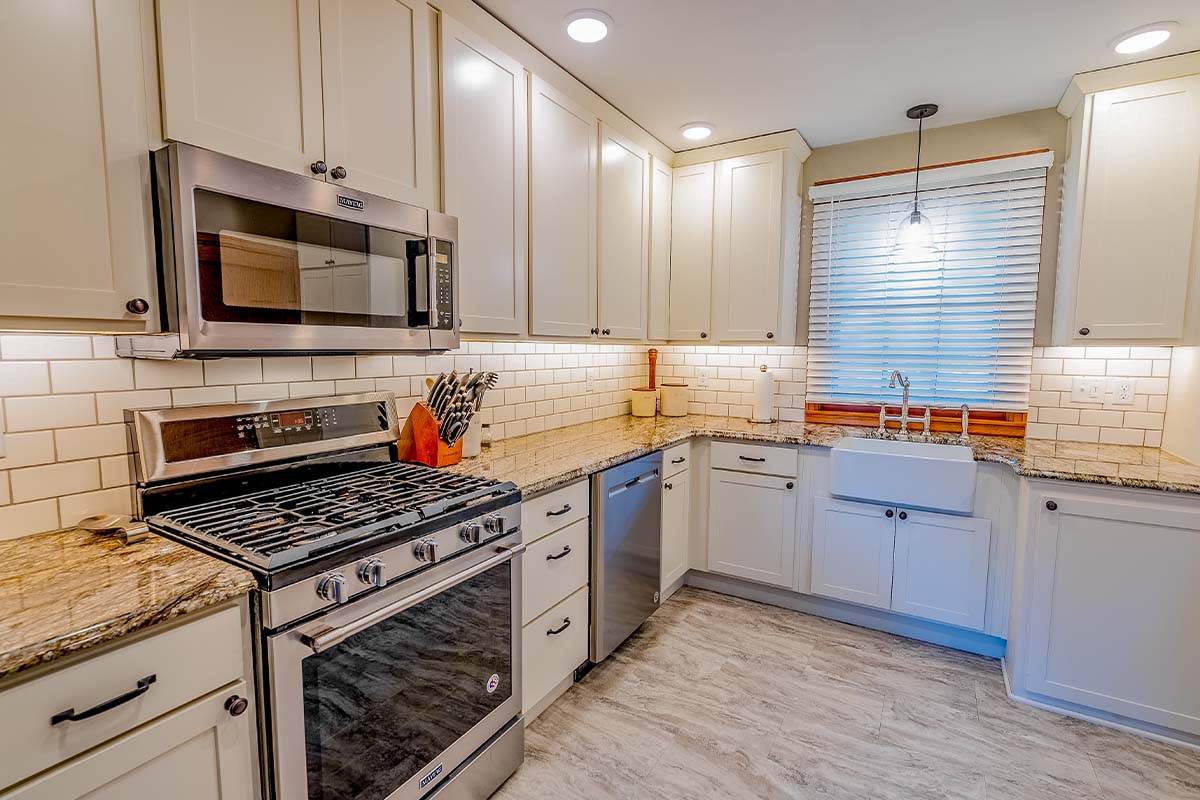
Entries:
{"x":1122,"y":391}
{"x":1087,"y":390}
{"x":593,"y":375}
{"x":702,"y":376}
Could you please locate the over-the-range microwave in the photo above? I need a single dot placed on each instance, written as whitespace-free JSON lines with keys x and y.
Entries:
{"x":253,"y":259}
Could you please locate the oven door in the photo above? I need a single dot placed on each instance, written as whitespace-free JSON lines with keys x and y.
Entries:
{"x":272,"y":261}
{"x":384,"y":697}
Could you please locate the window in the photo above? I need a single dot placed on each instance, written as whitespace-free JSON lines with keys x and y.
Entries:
{"x":959,"y":323}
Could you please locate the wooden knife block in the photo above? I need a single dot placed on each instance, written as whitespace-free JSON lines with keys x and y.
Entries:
{"x":420,"y":443}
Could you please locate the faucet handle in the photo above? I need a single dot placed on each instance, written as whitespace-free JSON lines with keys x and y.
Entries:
{"x":966,"y":414}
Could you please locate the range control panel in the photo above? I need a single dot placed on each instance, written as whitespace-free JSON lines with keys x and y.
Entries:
{"x":187,"y":439}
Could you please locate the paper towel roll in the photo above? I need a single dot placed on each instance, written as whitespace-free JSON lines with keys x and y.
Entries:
{"x":763,"y":409}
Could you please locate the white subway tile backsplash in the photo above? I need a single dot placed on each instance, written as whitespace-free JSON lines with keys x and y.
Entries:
{"x":332,"y":367}
{"x":261,"y":391}
{"x":372,"y":366}
{"x":26,"y":518}
{"x":1126,"y":436}
{"x":54,"y":480}
{"x":23,"y":377}
{"x":75,"y":507}
{"x":286,"y":370}
{"x":116,"y":471}
{"x":42,"y":348}
{"x":44,"y":413}
{"x":225,"y":371}
{"x":202,"y":395}
{"x":106,"y":375}
{"x":28,"y":449}
{"x":90,"y":442}
{"x":167,"y":374}
{"x":111,"y":406}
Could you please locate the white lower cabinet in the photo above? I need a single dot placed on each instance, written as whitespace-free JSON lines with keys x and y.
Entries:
{"x":1112,"y":618}
{"x":941,"y":567}
{"x":676,"y":502}
{"x":752,"y":526}
{"x":199,"y":752}
{"x":555,"y":566}
{"x":552,"y":646}
{"x":853,"y":545}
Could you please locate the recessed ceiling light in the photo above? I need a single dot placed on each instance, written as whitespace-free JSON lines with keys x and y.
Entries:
{"x":1147,"y":37}
{"x":588,"y":25}
{"x":696,"y":131}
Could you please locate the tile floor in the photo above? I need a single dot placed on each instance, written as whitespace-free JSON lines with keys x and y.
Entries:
{"x":717,"y":697}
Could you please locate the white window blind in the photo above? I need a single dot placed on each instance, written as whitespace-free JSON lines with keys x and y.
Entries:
{"x":959,"y":325}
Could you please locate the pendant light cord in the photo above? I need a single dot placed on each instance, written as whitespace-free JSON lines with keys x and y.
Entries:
{"x":917,"y":181}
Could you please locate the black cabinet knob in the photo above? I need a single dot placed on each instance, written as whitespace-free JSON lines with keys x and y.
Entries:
{"x":770,"y":335}
{"x":595,"y":331}
{"x":607,"y":331}
{"x":666,"y":486}
{"x":236,"y":706}
{"x":1084,"y":331}
{"x":703,"y":334}
{"x":318,"y":167}
{"x":791,"y":485}
{"x":903,"y":515}
{"x":1051,"y":505}
{"x":338,"y":173}
{"x":889,"y":513}
{"x":138,"y":305}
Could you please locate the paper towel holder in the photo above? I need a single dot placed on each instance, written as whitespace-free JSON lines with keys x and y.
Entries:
{"x":762,"y":407}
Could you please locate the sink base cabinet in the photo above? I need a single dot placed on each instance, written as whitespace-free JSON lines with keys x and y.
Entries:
{"x":752,"y":526}
{"x":852,"y":551}
{"x":1112,"y":621}
{"x":940,"y":568}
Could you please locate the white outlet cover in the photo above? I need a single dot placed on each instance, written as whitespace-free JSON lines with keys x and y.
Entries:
{"x":702,"y":376}
{"x":1122,"y":391}
{"x":1087,"y":390}
{"x":593,"y":375}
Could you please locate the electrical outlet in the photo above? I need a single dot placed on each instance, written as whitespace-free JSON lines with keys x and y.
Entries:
{"x":593,"y":375}
{"x":1087,"y":390}
{"x":1121,"y":390}
{"x":702,"y":376}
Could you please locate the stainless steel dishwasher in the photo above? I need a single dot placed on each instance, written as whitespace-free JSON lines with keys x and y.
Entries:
{"x":626,"y":550}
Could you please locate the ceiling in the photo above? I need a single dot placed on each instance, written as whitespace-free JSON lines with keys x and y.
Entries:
{"x":837,"y":70}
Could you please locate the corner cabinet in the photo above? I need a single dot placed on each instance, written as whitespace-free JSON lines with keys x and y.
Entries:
{"x":562,"y":221}
{"x":1128,"y":260}
{"x":624,"y":237}
{"x":1112,"y":619}
{"x":76,"y":84}
{"x":485,"y":151}
{"x":333,"y":89}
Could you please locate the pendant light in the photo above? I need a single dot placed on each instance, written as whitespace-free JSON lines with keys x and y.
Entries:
{"x":914,"y":239}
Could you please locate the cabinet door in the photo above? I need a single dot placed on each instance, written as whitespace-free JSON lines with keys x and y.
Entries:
{"x":692,"y":252}
{"x":748,"y":248}
{"x":852,"y":551}
{"x":485,"y":148}
{"x":244,"y":78}
{"x":675,"y":505}
{"x":941,"y":567}
{"x":563,"y":214}
{"x":1139,"y":211}
{"x":660,"y":249}
{"x":624,"y":236}
{"x":375,"y":80}
{"x":1113,"y":618}
{"x":752,"y":526}
{"x":77,"y":143}
{"x":199,"y":752}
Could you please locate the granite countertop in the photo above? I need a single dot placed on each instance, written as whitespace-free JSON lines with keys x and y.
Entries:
{"x":542,"y":461}
{"x":65,"y":591}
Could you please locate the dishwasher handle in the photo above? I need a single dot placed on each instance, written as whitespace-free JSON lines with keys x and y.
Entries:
{"x":647,"y":477}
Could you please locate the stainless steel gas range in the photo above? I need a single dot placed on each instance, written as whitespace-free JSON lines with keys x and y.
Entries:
{"x":388,"y":609}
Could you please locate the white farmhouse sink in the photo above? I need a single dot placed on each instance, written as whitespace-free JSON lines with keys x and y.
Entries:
{"x":938,"y":477}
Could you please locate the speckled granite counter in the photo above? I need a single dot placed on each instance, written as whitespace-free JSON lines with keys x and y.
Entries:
{"x":65,"y":591}
{"x":542,"y":461}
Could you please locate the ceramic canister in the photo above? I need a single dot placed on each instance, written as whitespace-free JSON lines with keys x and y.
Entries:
{"x":673,"y":399}
{"x":643,"y":402}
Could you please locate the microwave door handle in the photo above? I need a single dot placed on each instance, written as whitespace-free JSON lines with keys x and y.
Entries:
{"x":331,"y":637}
{"x":431,"y":267}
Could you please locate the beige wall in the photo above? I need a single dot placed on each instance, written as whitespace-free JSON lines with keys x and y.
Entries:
{"x":1182,"y":434}
{"x":1031,"y":130}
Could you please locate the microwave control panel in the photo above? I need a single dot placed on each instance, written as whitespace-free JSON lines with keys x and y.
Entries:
{"x":443,"y":260}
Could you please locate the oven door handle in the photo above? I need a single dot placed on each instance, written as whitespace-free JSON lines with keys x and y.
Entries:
{"x":331,"y":637}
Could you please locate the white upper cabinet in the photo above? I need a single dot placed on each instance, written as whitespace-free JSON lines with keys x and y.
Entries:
{"x":77,"y":160}
{"x":244,"y":78}
{"x":623,"y":257}
{"x":691,"y":252}
{"x":749,"y":256}
{"x":337,"y":89}
{"x":375,"y":82}
{"x":1128,"y":257}
{"x":563,"y":214}
{"x":660,"y":249}
{"x":485,"y":149}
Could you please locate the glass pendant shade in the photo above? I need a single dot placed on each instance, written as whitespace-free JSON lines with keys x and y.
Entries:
{"x":914,"y":238}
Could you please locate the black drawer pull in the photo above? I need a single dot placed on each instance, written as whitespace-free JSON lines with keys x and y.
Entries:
{"x":69,"y":715}
{"x":566,"y":551}
{"x":748,"y":458}
{"x":556,"y":631}
{"x":679,"y":460}
{"x":566,"y":507}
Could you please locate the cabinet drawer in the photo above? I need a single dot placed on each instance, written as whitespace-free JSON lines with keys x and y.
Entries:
{"x":187,"y":662}
{"x":548,"y":657}
{"x":756,"y":458}
{"x":676,"y":459}
{"x":555,"y":510}
{"x":555,"y":566}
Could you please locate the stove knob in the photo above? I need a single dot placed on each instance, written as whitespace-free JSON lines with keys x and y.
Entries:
{"x":370,"y":572}
{"x":333,"y":587}
{"x":471,"y":532}
{"x":426,"y":550}
{"x":493,"y":523}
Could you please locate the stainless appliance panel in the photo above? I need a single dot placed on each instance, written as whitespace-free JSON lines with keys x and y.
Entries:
{"x":626,"y":550}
